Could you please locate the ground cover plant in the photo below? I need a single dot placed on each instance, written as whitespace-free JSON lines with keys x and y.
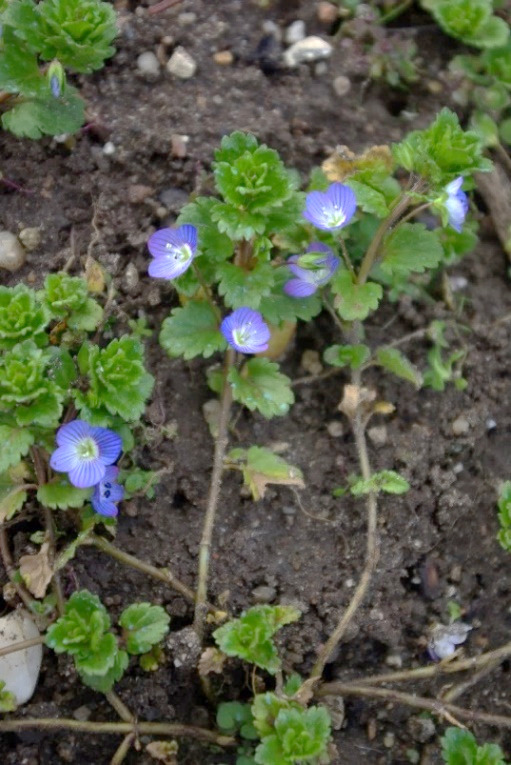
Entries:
{"x":257,"y":255}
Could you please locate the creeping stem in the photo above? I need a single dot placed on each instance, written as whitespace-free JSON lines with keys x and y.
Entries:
{"x":201,"y":607}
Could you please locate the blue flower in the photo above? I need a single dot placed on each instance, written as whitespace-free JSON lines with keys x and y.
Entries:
{"x":456,"y":203}
{"x":246,"y":331}
{"x":106,"y":493}
{"x":173,"y":250}
{"x":55,"y":86}
{"x":307,"y":280}
{"x":84,"y":452}
{"x":330,"y":209}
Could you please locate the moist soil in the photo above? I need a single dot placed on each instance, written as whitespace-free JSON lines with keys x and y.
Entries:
{"x":438,"y":542}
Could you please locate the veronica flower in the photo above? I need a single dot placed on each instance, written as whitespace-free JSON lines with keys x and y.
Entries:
{"x":444,"y":639}
{"x":173,"y":250}
{"x":307,"y":280}
{"x":84,"y":452}
{"x":246,"y":331}
{"x":330,"y":209}
{"x":456,"y":203}
{"x":106,"y":493}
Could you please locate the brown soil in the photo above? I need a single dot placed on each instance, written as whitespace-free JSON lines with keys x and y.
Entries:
{"x":437,"y":542}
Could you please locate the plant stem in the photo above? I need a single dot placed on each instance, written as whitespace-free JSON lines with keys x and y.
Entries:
{"x":120,"y":707}
{"x":395,"y":12}
{"x":414,"y":212}
{"x":371,"y":547}
{"x":10,"y":570}
{"x":372,"y":251}
{"x":206,"y":290}
{"x":162,"y":574}
{"x":144,"y":728}
{"x":40,"y":472}
{"x":214,"y":493}
{"x":163,"y":5}
{"x":123,"y":749}
{"x":435,"y":706}
{"x":22,"y":645}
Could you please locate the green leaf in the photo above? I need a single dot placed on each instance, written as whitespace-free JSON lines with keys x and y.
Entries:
{"x":14,"y":444}
{"x":144,"y":625}
{"x":36,"y":117}
{"x":355,"y":301}
{"x":22,"y":317}
{"x":249,"y":637}
{"x":387,"y":481}
{"x":192,"y":331}
{"x":410,"y":248}
{"x":396,"y":362}
{"x":261,"y":467}
{"x":504,"y":506}
{"x":105,"y":683}
{"x":459,"y":747}
{"x":369,"y":199}
{"x":244,"y":288}
{"x":470,"y":21}
{"x":59,"y":494}
{"x":213,"y":245}
{"x":265,"y":709}
{"x":486,"y":128}
{"x":19,"y":72}
{"x":12,"y":493}
{"x":276,"y":306}
{"x":299,"y":735}
{"x":234,"y":716}
{"x":7,"y":699}
{"x":260,"y":386}
{"x":353,"y":356}
{"x":118,"y":380}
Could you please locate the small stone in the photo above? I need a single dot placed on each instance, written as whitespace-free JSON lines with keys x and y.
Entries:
{"x":131,"y":277}
{"x":20,"y":670}
{"x":185,"y":647}
{"x":460,"y":426}
{"x":12,"y":253}
{"x":173,"y":199}
{"x":138,"y":193}
{"x":320,"y":68}
{"x":335,"y":428}
{"x":342,"y":85}
{"x":490,"y":425}
{"x":458,"y":283}
{"x":372,"y":729}
{"x":179,"y":145}
{"x":82,"y":714}
{"x":148,"y":64}
{"x":378,"y":435}
{"x":394,"y":660}
{"x":109,"y":149}
{"x":335,"y":705}
{"x":311,"y":362}
{"x":421,"y":729}
{"x":271,"y":28}
{"x":153,"y":297}
{"x":186,"y":19}
{"x":264,"y":594}
{"x":455,"y":574}
{"x":181,"y":64}
{"x":295,"y":32}
{"x":435,"y":87}
{"x":223,"y":58}
{"x":30,"y":238}
{"x":327,"y":13}
{"x":389,"y":740}
{"x":309,"y":49}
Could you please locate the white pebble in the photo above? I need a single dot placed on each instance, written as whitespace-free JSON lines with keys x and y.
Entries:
{"x":309,"y":49}
{"x":295,"y":32}
{"x":460,"y":426}
{"x":181,"y":64}
{"x":20,"y":670}
{"x":12,"y":254}
{"x":148,"y":64}
{"x":342,"y":85}
{"x":109,"y":149}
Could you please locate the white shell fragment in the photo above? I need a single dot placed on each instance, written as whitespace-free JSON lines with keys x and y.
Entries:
{"x":309,"y":49}
{"x":12,"y":253}
{"x":444,"y":639}
{"x":19,"y":670}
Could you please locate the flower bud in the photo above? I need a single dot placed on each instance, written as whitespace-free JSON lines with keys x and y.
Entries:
{"x":56,"y":78}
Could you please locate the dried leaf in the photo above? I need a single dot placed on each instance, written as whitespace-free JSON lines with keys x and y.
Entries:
{"x":355,"y":398}
{"x":36,"y":571}
{"x":163,"y":751}
{"x":343,"y":162}
{"x":94,"y":276}
{"x":211,"y":660}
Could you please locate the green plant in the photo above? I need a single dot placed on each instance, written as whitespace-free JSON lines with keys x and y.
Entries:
{"x":471,"y":21}
{"x":459,"y":747}
{"x":69,"y":34}
{"x":504,"y":506}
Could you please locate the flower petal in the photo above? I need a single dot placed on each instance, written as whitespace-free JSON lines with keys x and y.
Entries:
{"x":73,"y":432}
{"x":104,"y":507}
{"x":87,"y":473}
{"x":168,"y":266}
{"x":109,"y":444}
{"x":64,"y":459}
{"x":188,"y":235}
{"x":298,"y":288}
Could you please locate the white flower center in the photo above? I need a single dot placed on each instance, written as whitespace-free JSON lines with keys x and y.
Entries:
{"x":242,"y":335}
{"x":87,"y":449}
{"x":335,"y":216}
{"x":180,"y":254}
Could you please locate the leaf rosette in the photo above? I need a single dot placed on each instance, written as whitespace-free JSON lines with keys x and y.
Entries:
{"x":22,"y":317}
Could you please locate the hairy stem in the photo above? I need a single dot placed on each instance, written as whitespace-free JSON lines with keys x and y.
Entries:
{"x":120,"y":707}
{"x":435,"y":706}
{"x":122,"y":750}
{"x":221,"y":440}
{"x":122,"y":728}
{"x":371,"y":548}
{"x":10,"y":570}
{"x":162,"y":574}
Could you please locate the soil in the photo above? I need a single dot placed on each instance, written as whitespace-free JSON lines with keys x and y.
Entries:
{"x":437,"y":542}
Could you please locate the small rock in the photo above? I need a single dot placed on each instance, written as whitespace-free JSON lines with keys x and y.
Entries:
{"x":131,"y":277}
{"x":82,"y":713}
{"x":311,"y":362}
{"x":179,"y":145}
{"x":148,"y":64}
{"x":455,"y":574}
{"x":389,"y":740}
{"x":460,"y":426}
{"x":335,"y":428}
{"x":109,"y":149}
{"x":20,"y":670}
{"x":181,"y":64}
{"x":173,"y":199}
{"x":138,"y":193}
{"x":394,"y":660}
{"x":335,"y":705}
{"x":309,"y":49}
{"x":153,"y":297}
{"x":342,"y":85}
{"x":223,"y":58}
{"x":445,"y":638}
{"x":269,"y":27}
{"x":378,"y":435}
{"x":30,"y":238}
{"x":320,"y":68}
{"x":12,"y":253}
{"x":264,"y":594}
{"x":186,"y":19}
{"x":457,"y":283}
{"x":185,"y":647}
{"x":490,"y":425}
{"x":435,"y":87}
{"x":421,"y":729}
{"x":327,"y":13}
{"x":295,"y":32}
